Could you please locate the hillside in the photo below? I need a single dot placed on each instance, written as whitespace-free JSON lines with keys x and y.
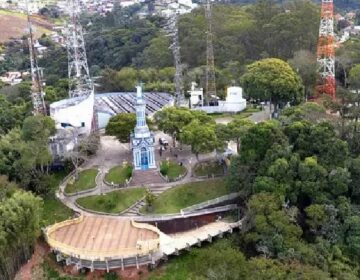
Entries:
{"x":14,"y":25}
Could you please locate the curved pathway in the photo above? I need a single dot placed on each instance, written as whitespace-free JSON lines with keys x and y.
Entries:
{"x":112,"y":153}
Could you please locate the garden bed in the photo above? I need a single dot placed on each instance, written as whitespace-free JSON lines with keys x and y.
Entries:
{"x":208,"y":169}
{"x":172,"y":170}
{"x":86,"y":181}
{"x":114,"y":202}
{"x":119,"y":174}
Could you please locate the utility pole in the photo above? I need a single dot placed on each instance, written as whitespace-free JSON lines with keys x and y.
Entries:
{"x":80,"y":83}
{"x":326,"y":51}
{"x":172,"y":30}
{"x":37,"y":92}
{"x":210,"y":94}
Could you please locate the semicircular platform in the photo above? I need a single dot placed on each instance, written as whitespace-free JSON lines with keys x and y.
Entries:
{"x":100,"y":238}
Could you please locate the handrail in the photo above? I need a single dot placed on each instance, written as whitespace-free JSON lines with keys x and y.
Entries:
{"x":165,"y":217}
{"x":210,"y":202}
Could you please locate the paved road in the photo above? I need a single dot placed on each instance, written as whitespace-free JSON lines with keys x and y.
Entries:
{"x":261,"y":116}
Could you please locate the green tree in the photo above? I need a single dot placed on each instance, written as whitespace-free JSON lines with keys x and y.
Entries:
{"x":121,"y":126}
{"x":19,"y":228}
{"x":304,"y":63}
{"x":172,"y":120}
{"x":201,"y":138}
{"x":258,"y":139}
{"x":272,"y":232}
{"x":221,"y":261}
{"x":272,"y":79}
{"x":237,"y":129}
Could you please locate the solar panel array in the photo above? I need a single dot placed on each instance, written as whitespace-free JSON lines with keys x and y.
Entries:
{"x":124,"y":102}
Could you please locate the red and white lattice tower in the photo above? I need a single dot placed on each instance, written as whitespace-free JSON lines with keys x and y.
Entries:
{"x":326,"y":51}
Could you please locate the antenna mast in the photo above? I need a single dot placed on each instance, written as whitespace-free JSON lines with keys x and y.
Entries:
{"x":80,"y":83}
{"x":37,"y":93}
{"x":172,"y":30}
{"x":326,"y":50}
{"x":210,"y":64}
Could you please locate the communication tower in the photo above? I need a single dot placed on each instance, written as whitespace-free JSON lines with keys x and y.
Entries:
{"x":210,"y":94}
{"x":80,"y":83}
{"x":172,"y":30}
{"x":37,"y":92}
{"x":326,"y":51}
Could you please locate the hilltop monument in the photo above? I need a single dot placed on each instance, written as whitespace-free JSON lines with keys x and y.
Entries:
{"x":142,"y":140}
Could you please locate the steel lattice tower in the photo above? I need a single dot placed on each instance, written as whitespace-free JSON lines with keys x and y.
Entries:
{"x":210,"y":64}
{"x":326,"y":50}
{"x":80,"y":83}
{"x":172,"y":30}
{"x":37,"y":92}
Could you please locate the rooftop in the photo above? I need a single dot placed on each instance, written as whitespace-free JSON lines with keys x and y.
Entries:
{"x":124,"y":102}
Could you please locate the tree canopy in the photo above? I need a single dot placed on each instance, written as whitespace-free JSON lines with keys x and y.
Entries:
{"x":272,"y":79}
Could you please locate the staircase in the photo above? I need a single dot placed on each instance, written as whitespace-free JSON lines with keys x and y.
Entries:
{"x":134,"y":211}
{"x":146,"y":177}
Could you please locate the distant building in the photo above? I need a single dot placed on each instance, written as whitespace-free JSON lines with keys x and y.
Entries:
{"x":12,"y":78}
{"x":233,"y":103}
{"x":142,"y":140}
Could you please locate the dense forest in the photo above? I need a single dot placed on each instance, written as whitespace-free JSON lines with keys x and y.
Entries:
{"x":299,"y":174}
{"x":122,"y":48}
{"x":299,"y":180}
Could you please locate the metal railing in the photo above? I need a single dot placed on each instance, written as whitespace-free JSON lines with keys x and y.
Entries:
{"x":166,"y":217}
{"x":210,"y":203}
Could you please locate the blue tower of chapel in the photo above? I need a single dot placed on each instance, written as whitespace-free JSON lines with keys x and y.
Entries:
{"x":142,"y":140}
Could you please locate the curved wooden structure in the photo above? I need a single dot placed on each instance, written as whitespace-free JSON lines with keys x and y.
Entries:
{"x":102,"y":238}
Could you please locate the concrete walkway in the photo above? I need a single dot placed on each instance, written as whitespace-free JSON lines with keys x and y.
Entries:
{"x":173,"y":243}
{"x":112,"y":153}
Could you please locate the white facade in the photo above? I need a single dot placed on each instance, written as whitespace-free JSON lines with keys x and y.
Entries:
{"x":75,"y":112}
{"x":196,"y":96}
{"x":234,"y":101}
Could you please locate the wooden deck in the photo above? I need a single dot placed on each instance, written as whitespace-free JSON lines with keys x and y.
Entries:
{"x":101,"y":235}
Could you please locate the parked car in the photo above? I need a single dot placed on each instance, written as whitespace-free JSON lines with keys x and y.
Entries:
{"x":228,"y":152}
{"x":163,"y":141}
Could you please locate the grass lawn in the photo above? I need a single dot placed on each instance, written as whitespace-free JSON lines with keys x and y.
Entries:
{"x":171,"y":169}
{"x":86,"y":181}
{"x":172,"y":200}
{"x":113,"y":202}
{"x":119,"y":174}
{"x":241,"y":115}
{"x":208,"y":168}
{"x":54,"y":211}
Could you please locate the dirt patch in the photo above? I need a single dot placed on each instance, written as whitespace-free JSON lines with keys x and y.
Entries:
{"x":15,"y":26}
{"x":25,"y":272}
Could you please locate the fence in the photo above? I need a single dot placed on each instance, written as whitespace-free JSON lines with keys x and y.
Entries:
{"x":209,"y":203}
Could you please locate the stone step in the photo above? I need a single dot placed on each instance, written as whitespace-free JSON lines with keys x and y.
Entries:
{"x":144,"y":177}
